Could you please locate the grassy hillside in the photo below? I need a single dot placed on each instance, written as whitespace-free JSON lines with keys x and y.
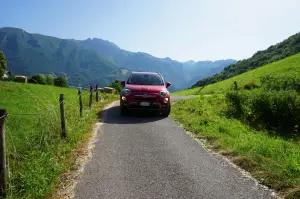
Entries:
{"x":255,"y":128}
{"x":287,"y":65}
{"x":276,"y":52}
{"x":35,"y":151}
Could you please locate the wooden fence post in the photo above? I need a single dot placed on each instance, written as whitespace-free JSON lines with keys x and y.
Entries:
{"x":62,"y":116}
{"x":91,"y":96}
{"x":97,"y":94}
{"x":80,"y":102}
{"x":3,"y":115}
{"x":235,"y":86}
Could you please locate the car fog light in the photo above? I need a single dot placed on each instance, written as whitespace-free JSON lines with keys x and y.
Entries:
{"x":124,"y":98}
{"x":166,"y":100}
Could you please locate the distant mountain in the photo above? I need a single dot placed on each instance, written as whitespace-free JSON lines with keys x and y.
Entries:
{"x":182,"y":75}
{"x":276,"y":52}
{"x":29,"y":54}
{"x":202,"y":69}
{"x":94,"y":60}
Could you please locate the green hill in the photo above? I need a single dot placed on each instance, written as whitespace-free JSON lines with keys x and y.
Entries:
{"x":28,"y":54}
{"x":36,"y":153}
{"x":288,"y":65}
{"x":276,"y":52}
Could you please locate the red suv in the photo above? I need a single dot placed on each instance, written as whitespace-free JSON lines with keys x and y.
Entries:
{"x":145,"y":91}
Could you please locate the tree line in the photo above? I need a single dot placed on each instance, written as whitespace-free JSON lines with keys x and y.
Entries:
{"x":35,"y":79}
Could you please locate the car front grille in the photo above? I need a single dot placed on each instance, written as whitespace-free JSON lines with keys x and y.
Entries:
{"x":136,"y":105}
{"x":145,"y":98}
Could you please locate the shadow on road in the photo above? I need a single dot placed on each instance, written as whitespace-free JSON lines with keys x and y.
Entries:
{"x":112,"y":116}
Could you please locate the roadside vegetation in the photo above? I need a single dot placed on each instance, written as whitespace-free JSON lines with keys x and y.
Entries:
{"x":116,"y":85}
{"x":254,"y":119}
{"x":36,"y":153}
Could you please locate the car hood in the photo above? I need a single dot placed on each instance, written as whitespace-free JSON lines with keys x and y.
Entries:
{"x":144,"y":88}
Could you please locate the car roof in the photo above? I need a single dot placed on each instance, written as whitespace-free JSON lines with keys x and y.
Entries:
{"x":134,"y":72}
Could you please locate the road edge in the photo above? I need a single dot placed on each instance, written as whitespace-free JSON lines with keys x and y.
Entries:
{"x":66,"y":188}
{"x":244,"y":173}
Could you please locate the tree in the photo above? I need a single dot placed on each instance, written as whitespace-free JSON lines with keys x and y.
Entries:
{"x":37,"y":79}
{"x":60,"y":81}
{"x":49,"y":80}
{"x":3,"y":65}
{"x":116,"y":85}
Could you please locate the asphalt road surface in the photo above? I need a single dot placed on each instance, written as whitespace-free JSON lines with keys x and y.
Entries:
{"x":147,"y":156}
{"x":175,"y":98}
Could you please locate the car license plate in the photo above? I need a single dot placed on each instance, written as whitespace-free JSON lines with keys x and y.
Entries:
{"x":145,"y":104}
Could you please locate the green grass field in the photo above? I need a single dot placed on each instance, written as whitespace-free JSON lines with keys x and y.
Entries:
{"x":274,"y":160}
{"x":290,"y":64}
{"x":36,"y":153}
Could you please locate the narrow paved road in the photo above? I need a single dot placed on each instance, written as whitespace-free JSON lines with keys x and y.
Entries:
{"x":176,"y":98}
{"x":144,"y":157}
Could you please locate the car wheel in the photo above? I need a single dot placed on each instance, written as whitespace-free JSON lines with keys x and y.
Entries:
{"x":123,"y":110}
{"x":166,"y":111}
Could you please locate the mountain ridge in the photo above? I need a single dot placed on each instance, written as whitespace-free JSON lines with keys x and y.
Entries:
{"x":93,"y":60}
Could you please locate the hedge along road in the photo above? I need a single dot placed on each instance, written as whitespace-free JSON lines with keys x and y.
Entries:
{"x":142,"y":156}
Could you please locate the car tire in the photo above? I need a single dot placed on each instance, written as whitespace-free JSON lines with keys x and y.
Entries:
{"x":123,"y":111}
{"x":166,"y":111}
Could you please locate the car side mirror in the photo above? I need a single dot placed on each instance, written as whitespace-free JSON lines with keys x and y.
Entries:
{"x":123,"y":83}
{"x":168,"y":84}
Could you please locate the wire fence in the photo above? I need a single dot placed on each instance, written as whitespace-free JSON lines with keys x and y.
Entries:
{"x":47,"y":123}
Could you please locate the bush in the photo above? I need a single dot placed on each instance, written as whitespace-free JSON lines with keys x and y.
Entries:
{"x":3,"y":65}
{"x":49,"y":80}
{"x":281,"y":82}
{"x":116,"y":85}
{"x":250,"y":85}
{"x":60,"y":81}
{"x":275,"y":109}
{"x":37,"y":79}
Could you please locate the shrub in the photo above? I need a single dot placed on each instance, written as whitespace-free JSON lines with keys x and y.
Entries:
{"x":49,"y":80}
{"x":60,"y":81}
{"x":37,"y":79}
{"x":278,"y":82}
{"x":116,"y":85}
{"x":3,"y":65}
{"x":275,"y":109}
{"x":250,"y":85}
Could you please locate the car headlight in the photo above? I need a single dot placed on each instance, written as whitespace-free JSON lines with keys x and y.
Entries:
{"x":126,"y":91}
{"x":163,"y":93}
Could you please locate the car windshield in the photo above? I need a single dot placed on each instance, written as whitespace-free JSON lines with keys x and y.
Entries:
{"x":145,"y":79}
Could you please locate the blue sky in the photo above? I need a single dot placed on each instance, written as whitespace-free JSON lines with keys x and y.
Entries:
{"x":181,"y":29}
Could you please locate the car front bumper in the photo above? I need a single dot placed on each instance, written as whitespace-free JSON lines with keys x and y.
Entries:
{"x":152,"y":106}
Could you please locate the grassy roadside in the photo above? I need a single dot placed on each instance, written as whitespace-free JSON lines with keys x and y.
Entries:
{"x":35,"y":152}
{"x":273,"y":160}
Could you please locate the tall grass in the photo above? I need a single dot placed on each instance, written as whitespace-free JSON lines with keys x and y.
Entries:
{"x":36,"y":153}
